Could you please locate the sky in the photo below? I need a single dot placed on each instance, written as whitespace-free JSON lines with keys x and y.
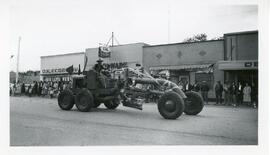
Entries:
{"x":50,"y":27}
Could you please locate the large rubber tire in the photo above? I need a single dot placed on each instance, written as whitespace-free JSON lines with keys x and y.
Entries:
{"x":171,"y":105}
{"x":66,"y":100}
{"x":84,"y":100}
{"x":193,"y":103}
{"x":112,"y":104}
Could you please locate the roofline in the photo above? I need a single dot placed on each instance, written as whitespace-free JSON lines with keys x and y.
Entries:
{"x":75,"y":53}
{"x":144,"y":44}
{"x":239,"y":33}
{"x":181,"y":43}
{"x":131,"y":44}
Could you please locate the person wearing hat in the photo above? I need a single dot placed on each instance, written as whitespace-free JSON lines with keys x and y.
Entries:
{"x":98,"y":67}
{"x":226,"y":93}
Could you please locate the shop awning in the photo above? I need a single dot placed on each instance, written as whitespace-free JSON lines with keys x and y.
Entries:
{"x":182,"y":67}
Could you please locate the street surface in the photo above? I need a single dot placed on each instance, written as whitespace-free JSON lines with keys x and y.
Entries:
{"x":40,"y":122}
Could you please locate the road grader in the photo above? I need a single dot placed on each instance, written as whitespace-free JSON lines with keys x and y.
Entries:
{"x":130,"y":88}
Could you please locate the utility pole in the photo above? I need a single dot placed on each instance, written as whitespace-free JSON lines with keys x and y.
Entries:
{"x":169,"y":22}
{"x":18,"y":58}
{"x":112,"y":39}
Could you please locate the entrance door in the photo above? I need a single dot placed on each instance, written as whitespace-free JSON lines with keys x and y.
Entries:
{"x":246,"y":76}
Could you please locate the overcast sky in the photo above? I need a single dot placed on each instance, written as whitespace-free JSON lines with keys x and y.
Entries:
{"x":65,"y":26}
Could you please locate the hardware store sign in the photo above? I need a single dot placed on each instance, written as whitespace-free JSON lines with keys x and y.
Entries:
{"x":57,"y":70}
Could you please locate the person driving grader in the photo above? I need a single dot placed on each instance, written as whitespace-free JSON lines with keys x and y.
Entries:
{"x":100,"y":77}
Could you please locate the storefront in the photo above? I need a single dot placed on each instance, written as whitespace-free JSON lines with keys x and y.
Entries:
{"x":240,"y":57}
{"x":186,"y":73}
{"x":234,"y":59}
{"x":53,"y":67}
{"x":186,"y":62}
{"x":244,"y":71}
{"x":120,"y":56}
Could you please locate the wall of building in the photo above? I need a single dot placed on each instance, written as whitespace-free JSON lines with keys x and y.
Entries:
{"x":183,"y":53}
{"x":130,"y":53}
{"x":241,"y":57}
{"x":92,"y":55}
{"x":207,"y":52}
{"x":56,"y":64}
{"x":241,"y":46}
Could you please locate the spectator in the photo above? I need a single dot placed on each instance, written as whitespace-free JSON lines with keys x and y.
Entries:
{"x":254,"y":95}
{"x":23,"y":89}
{"x":64,"y":86}
{"x":187,"y":87}
{"x":60,"y":86}
{"x":247,"y":92}
{"x":30,"y":90}
{"x":44,"y":88}
{"x":196,"y":87}
{"x":40,"y":88}
{"x":69,"y":85}
{"x":35,"y":88}
{"x":56,"y":86}
{"x":204,"y":91}
{"x":180,"y":85}
{"x":233,"y":94}
{"x":226,"y":93}
{"x":218,"y":91}
{"x":14,"y":90}
{"x":239,"y":93}
{"x":51,"y":91}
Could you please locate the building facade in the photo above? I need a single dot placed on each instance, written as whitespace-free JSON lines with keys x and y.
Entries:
{"x":121,"y":56}
{"x":186,"y":62}
{"x":233,"y":59}
{"x":53,"y":67}
{"x":240,"y":62}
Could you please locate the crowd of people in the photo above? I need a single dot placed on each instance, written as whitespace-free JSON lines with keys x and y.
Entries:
{"x":201,"y":87}
{"x":236,"y":94}
{"x":228,"y":94}
{"x":41,"y":88}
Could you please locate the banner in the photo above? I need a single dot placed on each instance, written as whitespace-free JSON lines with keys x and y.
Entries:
{"x":104,"y":52}
{"x":69,"y":69}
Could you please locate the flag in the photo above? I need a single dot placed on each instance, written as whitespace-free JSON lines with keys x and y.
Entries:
{"x":104,"y":52}
{"x":70,"y":69}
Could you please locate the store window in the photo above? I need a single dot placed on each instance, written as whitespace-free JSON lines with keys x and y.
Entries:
{"x":208,"y":77}
{"x":231,"y":45}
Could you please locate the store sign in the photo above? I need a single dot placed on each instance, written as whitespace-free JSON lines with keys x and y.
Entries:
{"x":104,"y":52}
{"x":116,"y":65}
{"x":238,"y":65}
{"x":57,"y":70}
{"x":248,"y":64}
{"x":251,"y":64}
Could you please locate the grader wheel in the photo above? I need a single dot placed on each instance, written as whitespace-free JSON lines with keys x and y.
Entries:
{"x":171,"y":105}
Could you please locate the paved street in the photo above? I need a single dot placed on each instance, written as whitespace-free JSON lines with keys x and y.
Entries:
{"x":40,"y":122}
